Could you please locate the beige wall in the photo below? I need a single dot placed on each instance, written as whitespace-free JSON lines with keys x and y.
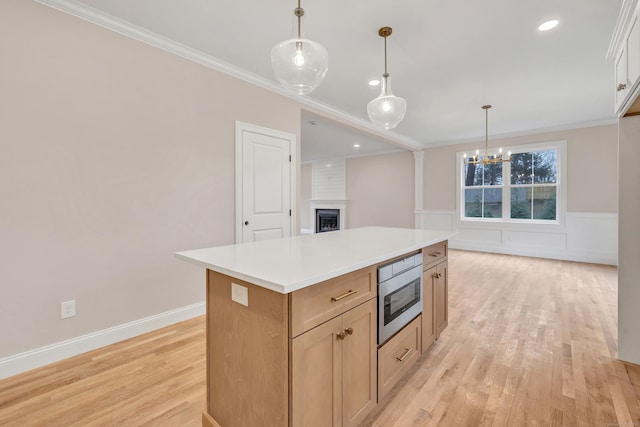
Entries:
{"x":113,"y":155}
{"x":380,"y":190}
{"x":629,"y":242}
{"x":588,"y":150}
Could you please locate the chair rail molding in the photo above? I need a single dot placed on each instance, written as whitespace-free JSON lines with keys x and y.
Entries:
{"x":586,"y":236}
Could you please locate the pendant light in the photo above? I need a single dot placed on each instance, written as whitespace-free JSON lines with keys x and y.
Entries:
{"x":387,"y":110}
{"x":487,"y":160}
{"x":299,"y":63}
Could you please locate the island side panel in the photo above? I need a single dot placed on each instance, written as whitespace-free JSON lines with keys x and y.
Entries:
{"x":247,"y":355}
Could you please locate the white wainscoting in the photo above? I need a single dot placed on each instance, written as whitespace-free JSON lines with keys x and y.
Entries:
{"x":42,"y":356}
{"x":585,"y":237}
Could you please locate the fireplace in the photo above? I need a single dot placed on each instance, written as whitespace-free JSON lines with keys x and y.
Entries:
{"x":327,"y":220}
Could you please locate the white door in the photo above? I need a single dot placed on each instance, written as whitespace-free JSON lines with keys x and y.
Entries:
{"x":264,"y":184}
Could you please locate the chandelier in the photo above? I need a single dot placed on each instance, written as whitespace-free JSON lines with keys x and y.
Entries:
{"x":299,"y":64}
{"x":487,"y":159}
{"x":387,"y":110}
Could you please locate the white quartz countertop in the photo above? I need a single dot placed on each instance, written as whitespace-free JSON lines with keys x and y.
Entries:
{"x":286,"y":265}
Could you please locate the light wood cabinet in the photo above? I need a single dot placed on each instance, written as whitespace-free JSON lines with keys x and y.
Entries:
{"x":310,"y":358}
{"x":398,"y":355}
{"x":334,"y":370}
{"x":442,"y":297}
{"x":435,"y":293}
{"x":428,"y":308}
{"x":316,"y":304}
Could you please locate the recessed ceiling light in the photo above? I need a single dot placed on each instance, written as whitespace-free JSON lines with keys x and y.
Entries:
{"x":374,"y":82}
{"x":546,"y":26}
{"x":356,"y":145}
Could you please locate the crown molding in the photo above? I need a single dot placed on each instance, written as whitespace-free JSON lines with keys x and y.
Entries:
{"x":125,"y":28}
{"x":527,"y":132}
{"x":627,"y":9}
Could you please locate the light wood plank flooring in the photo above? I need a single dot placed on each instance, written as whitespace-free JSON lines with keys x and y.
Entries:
{"x":529,"y":342}
{"x":156,"y":379}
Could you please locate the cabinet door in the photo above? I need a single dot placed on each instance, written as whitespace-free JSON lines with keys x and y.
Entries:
{"x":429,"y":278}
{"x":359,"y":362}
{"x":621,"y":78}
{"x":442,"y":298}
{"x":316,"y":376}
{"x":633,"y":53}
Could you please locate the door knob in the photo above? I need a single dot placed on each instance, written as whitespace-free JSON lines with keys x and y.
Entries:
{"x":246,"y":223}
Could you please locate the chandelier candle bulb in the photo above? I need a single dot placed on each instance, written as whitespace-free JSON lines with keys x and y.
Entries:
{"x":488,"y":159}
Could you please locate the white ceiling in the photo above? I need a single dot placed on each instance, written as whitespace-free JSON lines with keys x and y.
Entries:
{"x":446,"y":58}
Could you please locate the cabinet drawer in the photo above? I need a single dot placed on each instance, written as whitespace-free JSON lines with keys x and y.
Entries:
{"x":434,"y":254}
{"x":397,"y":355}
{"x":311,"y":306}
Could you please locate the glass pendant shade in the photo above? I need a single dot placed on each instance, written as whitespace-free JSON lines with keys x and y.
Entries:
{"x":387,"y":110}
{"x":299,"y":64}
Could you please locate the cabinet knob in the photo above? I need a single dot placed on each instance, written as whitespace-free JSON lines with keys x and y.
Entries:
{"x":340,"y":335}
{"x":246,"y":223}
{"x":349,"y":331}
{"x":621,"y":86}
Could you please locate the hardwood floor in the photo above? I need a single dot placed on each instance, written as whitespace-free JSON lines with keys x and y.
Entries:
{"x":156,"y":379}
{"x":529,"y":342}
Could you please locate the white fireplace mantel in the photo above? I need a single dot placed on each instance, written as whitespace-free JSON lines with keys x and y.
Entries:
{"x":328,"y":204}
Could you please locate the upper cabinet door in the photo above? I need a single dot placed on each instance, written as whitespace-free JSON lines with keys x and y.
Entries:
{"x":633,"y":52}
{"x":621,"y":78}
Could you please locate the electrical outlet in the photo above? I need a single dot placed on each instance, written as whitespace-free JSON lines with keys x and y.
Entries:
{"x":67,"y":309}
{"x":240,"y":294}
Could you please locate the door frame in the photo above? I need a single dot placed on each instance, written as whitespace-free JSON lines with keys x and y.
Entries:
{"x":240,"y":128}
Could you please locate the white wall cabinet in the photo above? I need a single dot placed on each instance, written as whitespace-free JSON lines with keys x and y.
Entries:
{"x":625,"y":52}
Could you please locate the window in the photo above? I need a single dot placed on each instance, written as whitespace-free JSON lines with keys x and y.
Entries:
{"x":523,"y":190}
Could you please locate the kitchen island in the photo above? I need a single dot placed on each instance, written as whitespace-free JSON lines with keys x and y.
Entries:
{"x":292,"y":325}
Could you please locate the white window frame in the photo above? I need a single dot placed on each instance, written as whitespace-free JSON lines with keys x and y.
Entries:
{"x":561,"y":185}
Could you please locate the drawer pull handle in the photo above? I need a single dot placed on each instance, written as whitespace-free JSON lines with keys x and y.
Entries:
{"x":404,"y":356}
{"x":349,"y":331}
{"x":621,"y":86}
{"x":343,"y":296}
{"x":340,"y":335}
{"x":435,"y":254}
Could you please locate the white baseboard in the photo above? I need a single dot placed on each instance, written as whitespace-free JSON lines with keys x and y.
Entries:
{"x":22,"y":362}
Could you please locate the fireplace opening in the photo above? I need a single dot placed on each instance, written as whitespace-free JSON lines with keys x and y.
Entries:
{"x":327,"y":220}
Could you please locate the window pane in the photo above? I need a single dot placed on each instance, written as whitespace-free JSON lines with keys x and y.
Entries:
{"x":521,"y":203}
{"x":493,"y":203}
{"x":472,"y":174}
{"x":473,"y":203}
{"x":521,"y":168}
{"x":544,"y":203}
{"x":493,"y":174}
{"x":544,"y":166}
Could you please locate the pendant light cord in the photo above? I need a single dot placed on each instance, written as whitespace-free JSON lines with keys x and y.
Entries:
{"x":299,"y":15}
{"x":385,"y":55}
